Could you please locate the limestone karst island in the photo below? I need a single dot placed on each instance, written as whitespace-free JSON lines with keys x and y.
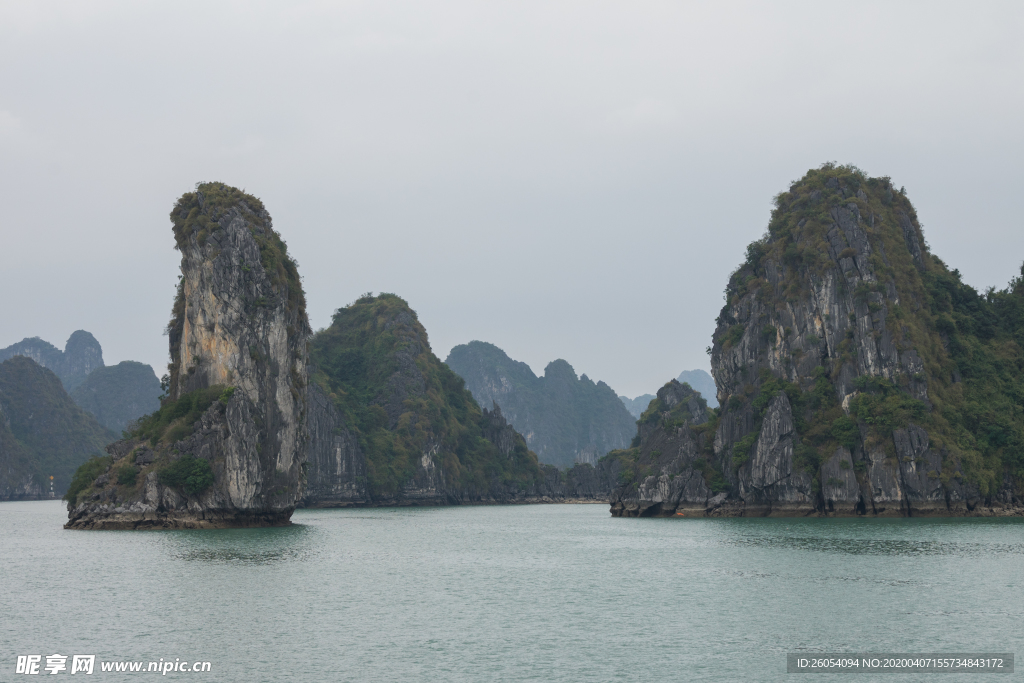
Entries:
{"x":227,"y":446}
{"x":857,"y":375}
{"x":854,"y":373}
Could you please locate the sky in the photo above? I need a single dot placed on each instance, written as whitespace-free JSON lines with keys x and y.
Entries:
{"x":567,"y":180}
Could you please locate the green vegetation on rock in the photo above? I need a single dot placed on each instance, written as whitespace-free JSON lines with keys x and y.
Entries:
{"x":175,"y":418}
{"x":375,"y":364}
{"x":85,"y":475}
{"x":200,"y":215}
{"x":188,"y":473}
{"x":676,"y":408}
{"x":969,"y":389}
{"x":702,"y":382}
{"x":699,"y":380}
{"x":127,"y":475}
{"x":671,"y":413}
{"x":859,"y":375}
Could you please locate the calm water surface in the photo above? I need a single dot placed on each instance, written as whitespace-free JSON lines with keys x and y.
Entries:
{"x":521,"y":593}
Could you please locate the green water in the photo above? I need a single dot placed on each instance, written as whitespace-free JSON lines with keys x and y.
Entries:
{"x":521,"y":593}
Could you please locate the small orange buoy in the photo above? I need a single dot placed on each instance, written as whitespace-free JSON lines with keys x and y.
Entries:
{"x":680,"y":514}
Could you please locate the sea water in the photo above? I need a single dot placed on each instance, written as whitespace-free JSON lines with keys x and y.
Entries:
{"x":507,"y":593}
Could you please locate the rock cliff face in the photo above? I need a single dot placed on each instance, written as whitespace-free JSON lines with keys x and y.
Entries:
{"x":392,"y":425}
{"x":336,"y":466}
{"x":856,"y":375}
{"x":81,"y":355}
{"x":566,"y":419}
{"x":228,"y":445}
{"x":43,"y":433}
{"x":667,"y":471}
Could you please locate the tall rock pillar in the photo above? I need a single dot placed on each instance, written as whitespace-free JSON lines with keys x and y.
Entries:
{"x":238,"y":345}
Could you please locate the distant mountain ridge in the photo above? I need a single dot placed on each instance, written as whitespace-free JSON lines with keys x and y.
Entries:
{"x":565,"y":419}
{"x":81,"y":355}
{"x":116,"y":395}
{"x":703,"y":382}
{"x":697,"y":379}
{"x":119,"y":394}
{"x":42,"y":432}
{"x":637,"y":406}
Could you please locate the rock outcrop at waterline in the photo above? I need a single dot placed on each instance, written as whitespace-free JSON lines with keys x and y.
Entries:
{"x":856,"y":374}
{"x":228,"y":444}
{"x":390,"y":424}
{"x":672,"y":439}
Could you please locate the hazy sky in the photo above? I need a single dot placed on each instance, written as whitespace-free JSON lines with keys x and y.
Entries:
{"x":563,"y":179}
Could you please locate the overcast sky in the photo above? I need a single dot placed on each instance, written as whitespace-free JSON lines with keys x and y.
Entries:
{"x":563,"y":179}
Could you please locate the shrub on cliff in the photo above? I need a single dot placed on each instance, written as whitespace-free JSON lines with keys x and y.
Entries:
{"x":85,"y":475}
{"x":188,"y":473}
{"x":127,"y":475}
{"x":175,"y":419}
{"x":198,"y":213}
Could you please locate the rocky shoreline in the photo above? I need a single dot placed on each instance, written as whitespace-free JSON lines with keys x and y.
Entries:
{"x":140,"y":517}
{"x":734,"y":508}
{"x":401,"y":503}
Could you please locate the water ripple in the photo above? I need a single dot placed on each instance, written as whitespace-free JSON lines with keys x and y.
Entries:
{"x":244,"y":546}
{"x":890,"y":547}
